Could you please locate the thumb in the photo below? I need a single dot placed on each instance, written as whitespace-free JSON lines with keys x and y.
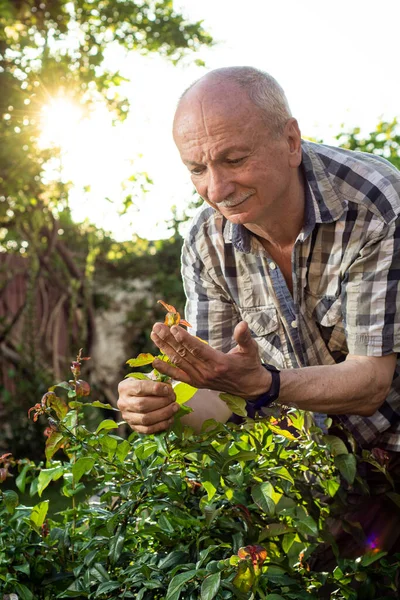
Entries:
{"x":243,"y":337}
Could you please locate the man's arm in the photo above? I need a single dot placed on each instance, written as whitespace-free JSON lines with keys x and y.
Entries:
{"x":357,"y":386}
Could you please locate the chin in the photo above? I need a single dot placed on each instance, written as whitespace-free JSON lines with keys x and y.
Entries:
{"x":240,"y":218}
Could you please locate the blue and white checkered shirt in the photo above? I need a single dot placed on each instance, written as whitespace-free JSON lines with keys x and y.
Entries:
{"x":346,"y":272}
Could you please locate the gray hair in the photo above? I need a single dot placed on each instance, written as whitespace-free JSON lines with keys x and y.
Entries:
{"x":262,"y":89}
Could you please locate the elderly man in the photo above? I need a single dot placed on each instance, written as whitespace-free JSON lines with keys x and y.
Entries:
{"x":291,"y":270}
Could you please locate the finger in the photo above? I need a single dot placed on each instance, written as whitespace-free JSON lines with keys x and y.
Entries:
{"x":144,"y":387}
{"x":153,"y":428}
{"x":172,"y":371}
{"x":144,"y":404}
{"x":175,"y":352}
{"x":152,"y":418}
{"x":182,"y":348}
{"x":242,"y":336}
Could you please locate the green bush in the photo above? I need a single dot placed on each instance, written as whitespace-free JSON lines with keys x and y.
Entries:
{"x":234,"y":512}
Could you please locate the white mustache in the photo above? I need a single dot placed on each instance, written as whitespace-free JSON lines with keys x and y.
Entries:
{"x":230,"y":201}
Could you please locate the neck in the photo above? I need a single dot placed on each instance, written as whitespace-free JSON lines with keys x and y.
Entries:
{"x":284,"y":225}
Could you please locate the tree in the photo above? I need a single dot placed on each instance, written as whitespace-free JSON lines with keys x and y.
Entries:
{"x":49,"y":48}
{"x":383,"y":141}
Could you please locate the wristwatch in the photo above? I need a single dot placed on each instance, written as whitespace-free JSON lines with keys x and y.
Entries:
{"x":267,"y":398}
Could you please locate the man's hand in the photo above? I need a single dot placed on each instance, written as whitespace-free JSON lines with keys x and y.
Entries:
{"x":147,"y":406}
{"x":239,"y":372}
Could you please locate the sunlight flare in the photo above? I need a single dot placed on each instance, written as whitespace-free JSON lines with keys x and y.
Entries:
{"x":60,"y":122}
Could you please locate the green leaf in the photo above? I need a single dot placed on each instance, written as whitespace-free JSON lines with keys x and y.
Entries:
{"x":210,"y":489}
{"x":63,"y":384}
{"x":82,"y":466}
{"x":23,"y":592}
{"x":141,"y":360}
{"x":335,"y":444}
{"x":98,"y":404}
{"x":146,"y":449}
{"x":264,"y":496}
{"x":48,"y":475}
{"x":210,"y":586}
{"x":165,"y":524}
{"x":107,"y":424}
{"x":306,"y":526}
{"x":274,"y":597}
{"x":347,"y":465}
{"x":283,"y":473}
{"x":244,"y":578}
{"x":11,"y":500}
{"x":212,"y":476}
{"x":331,"y":486}
{"x":123,"y":450}
{"x":273,"y":530}
{"x":99,"y":572}
{"x":39,"y":513}
{"x":244,"y":456}
{"x":371,"y":557}
{"x":235,"y":403}
{"x":108,"y":586}
{"x":137,"y":376}
{"x":20,"y":481}
{"x":117,"y":544}
{"x":184,"y":392}
{"x":25,"y":568}
{"x":177,"y":583}
{"x":287,"y":542}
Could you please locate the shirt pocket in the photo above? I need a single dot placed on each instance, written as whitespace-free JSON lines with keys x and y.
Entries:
{"x":265,"y":328}
{"x":326,"y":313}
{"x":261,"y":320}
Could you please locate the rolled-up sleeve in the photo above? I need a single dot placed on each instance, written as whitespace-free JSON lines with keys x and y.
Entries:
{"x":209,"y":308}
{"x":370,"y":294}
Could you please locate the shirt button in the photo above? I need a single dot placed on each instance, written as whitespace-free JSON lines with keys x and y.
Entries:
{"x":272,"y":265}
{"x":294,"y":324}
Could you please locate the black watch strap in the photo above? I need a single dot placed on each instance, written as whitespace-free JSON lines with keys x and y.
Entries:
{"x":268,"y":397}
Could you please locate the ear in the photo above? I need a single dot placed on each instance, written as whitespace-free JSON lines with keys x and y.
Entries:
{"x":293,"y":137}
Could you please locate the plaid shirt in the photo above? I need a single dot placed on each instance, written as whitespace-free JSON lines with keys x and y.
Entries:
{"x":346,"y":271}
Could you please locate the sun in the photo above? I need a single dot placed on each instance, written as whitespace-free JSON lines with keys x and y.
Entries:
{"x":60,"y":121}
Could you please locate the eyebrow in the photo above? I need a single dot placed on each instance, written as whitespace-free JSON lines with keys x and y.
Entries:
{"x":222,"y":154}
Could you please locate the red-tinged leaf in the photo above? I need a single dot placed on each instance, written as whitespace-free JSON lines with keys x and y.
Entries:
{"x":58,"y":405}
{"x":168,"y":307}
{"x":82,"y":388}
{"x":53,"y":443}
{"x":185,"y":323}
{"x":257,"y":554}
{"x":141,"y":360}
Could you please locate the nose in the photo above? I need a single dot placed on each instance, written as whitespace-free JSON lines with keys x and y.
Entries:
{"x":219,"y":186}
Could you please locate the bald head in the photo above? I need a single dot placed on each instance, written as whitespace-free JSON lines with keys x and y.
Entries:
{"x":259,"y":87}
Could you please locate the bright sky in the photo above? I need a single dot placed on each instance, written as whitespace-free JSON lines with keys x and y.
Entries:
{"x":337,"y":62}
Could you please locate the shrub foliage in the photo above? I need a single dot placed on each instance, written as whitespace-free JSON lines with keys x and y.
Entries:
{"x":233,"y":512}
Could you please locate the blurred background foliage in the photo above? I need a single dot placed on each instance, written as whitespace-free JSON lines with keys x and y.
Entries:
{"x":61,"y":280}
{"x":50,"y":267}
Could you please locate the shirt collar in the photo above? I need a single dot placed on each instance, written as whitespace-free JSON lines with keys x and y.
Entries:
{"x":322,"y":203}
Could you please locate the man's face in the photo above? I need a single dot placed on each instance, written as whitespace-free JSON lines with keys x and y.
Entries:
{"x":236,"y":164}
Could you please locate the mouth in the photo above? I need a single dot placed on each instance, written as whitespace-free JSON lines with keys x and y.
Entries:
{"x":234,"y":202}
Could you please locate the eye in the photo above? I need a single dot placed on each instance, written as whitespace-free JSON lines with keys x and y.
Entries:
{"x":235,"y":161}
{"x":196,"y":170}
